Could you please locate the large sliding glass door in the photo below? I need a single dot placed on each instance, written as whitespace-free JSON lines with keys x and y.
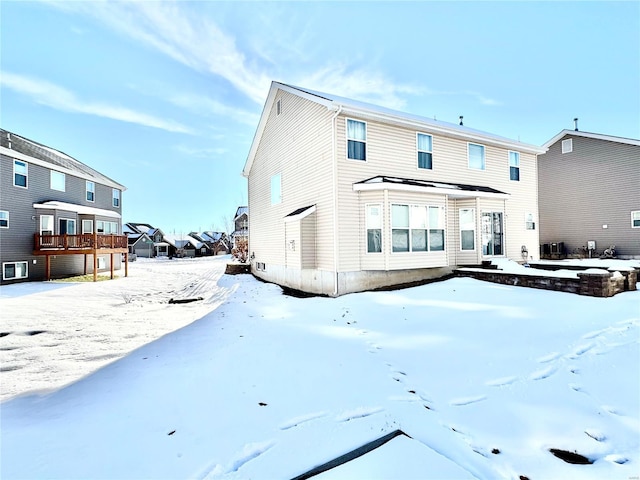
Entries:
{"x":492,"y":234}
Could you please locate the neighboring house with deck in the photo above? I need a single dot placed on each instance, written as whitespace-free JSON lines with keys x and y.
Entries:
{"x":58,"y":216}
{"x":347,"y":196}
{"x":241,"y":225}
{"x":589,"y":191}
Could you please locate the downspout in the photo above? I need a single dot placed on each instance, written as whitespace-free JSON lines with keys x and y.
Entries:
{"x":334,"y":132}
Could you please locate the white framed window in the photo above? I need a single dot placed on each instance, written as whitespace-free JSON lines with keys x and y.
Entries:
{"x":15,"y":270}
{"x":476,"y":156}
{"x":529,"y":221}
{"x":514,"y":166}
{"x":635,"y":219}
{"x":46,"y":224}
{"x":374,"y":228}
{"x":115,"y":195}
{"x":467,"y":228}
{"x":91,"y":191}
{"x":20,"y":173}
{"x":4,"y":219}
{"x":567,"y":145}
{"x":276,"y":189}
{"x":57,"y":181}
{"x":425,"y":150}
{"x":87,"y":226}
{"x":102,"y":263}
{"x":67,"y":226}
{"x":356,"y":140}
{"x":106,"y":227}
{"x":417,"y":228}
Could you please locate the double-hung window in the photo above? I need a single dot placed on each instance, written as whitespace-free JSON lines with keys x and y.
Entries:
{"x":57,"y":181}
{"x":425,"y":154}
{"x":476,"y":156}
{"x":400,"y":228}
{"x":635,"y":219}
{"x":20,"y":173}
{"x":14,"y":270}
{"x":467,"y":229}
{"x":374,"y":228}
{"x":436,"y":229}
{"x":116,"y":197}
{"x":87,"y":226}
{"x":46,"y":224}
{"x":91,"y":191}
{"x":4,"y":219}
{"x":356,"y":140}
{"x":514,"y":166}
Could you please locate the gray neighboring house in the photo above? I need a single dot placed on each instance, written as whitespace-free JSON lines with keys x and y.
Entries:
{"x":241,"y":225}
{"x":589,"y":191}
{"x":58,"y":216}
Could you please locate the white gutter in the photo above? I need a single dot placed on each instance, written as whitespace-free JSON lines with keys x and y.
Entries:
{"x":334,"y":132}
{"x":368,"y":187}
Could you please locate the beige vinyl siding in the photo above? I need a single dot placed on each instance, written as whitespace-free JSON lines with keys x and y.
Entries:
{"x":391,"y":150}
{"x":596,"y":184}
{"x":298,"y":145}
{"x":458,"y":256}
{"x":292,"y":244}
{"x":308,"y":234}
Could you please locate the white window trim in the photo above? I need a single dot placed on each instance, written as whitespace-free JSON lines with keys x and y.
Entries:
{"x":427,"y":229}
{"x":26,"y":270}
{"x":115,"y":195}
{"x":64,"y":181}
{"x":75,"y":225}
{"x":83,"y":229}
{"x":569,"y":145}
{"x":484,"y":157}
{"x":475,"y":230}
{"x":636,"y":212}
{"x":529,"y":218}
{"x":366,"y":228}
{"x":26,"y":174}
{"x":53,"y":223}
{"x":7,"y":218}
{"x":425,"y":151}
{"x":89,"y":182}
{"x":516,"y":166}
{"x":346,"y":136}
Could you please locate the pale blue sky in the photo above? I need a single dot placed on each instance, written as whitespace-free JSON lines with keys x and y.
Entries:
{"x":164,"y":97}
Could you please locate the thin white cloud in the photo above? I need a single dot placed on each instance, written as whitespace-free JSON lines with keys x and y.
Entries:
{"x":201,"y":152}
{"x":59,"y":98}
{"x":207,"y":106}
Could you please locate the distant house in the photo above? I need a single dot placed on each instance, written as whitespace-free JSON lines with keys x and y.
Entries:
{"x":241,"y":225}
{"x":161,"y":248}
{"x":141,"y":245}
{"x":589,"y":194}
{"x":187,"y":246}
{"x":58,"y":216}
{"x":217,"y":242}
{"x":347,"y":196}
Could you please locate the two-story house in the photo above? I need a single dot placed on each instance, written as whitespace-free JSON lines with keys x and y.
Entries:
{"x":347,"y":196}
{"x":58,"y":216}
{"x":241,"y":225}
{"x":589,"y":194}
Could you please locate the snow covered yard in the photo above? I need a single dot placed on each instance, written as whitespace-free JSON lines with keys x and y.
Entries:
{"x":484,"y":378}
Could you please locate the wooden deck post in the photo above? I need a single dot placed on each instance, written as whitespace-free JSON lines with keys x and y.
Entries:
{"x":111,"y":266}
{"x":126,"y":264}
{"x":47,"y":266}
{"x":95,"y":266}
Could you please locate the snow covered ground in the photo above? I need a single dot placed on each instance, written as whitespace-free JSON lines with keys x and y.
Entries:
{"x":484,"y":379}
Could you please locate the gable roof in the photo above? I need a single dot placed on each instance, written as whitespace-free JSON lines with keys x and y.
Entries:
{"x":342,"y":105}
{"x":241,"y":211}
{"x":22,"y":148}
{"x":597,"y":136}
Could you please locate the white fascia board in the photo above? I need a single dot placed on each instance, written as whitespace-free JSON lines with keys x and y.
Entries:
{"x":36,"y":161}
{"x":79,"y":209}
{"x":368,"y":187}
{"x":597,"y":136}
{"x":444,"y":130}
{"x":301,"y":215}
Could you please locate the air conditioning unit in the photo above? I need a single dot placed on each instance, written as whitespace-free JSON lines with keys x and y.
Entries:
{"x":557,"y":248}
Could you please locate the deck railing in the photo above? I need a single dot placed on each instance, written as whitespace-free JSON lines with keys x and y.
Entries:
{"x":85,"y":241}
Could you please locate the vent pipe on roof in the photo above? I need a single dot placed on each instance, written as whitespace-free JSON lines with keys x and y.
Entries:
{"x":461,"y":117}
{"x":575,"y":123}
{"x":9,"y":138}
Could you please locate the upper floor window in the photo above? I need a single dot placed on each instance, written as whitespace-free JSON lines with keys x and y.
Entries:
{"x":276,"y":189}
{"x":4,"y":219}
{"x":91,"y":191}
{"x":476,"y":156}
{"x":567,"y":145}
{"x":356,"y":140}
{"x":514,"y":166}
{"x":425,"y":155}
{"x":374,"y":228}
{"x":635,"y":219}
{"x":57,"y":180}
{"x":116,"y":197}
{"x":20,"y":173}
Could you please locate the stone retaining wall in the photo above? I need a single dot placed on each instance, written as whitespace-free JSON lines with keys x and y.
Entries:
{"x":594,"y":283}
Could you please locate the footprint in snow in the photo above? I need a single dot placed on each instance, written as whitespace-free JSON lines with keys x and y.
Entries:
{"x":549,"y":358}
{"x":297,"y":421}
{"x":361,"y":412}
{"x":459,"y":402}
{"x":581,"y":350}
{"x":542,"y":374}
{"x":499,"y":382}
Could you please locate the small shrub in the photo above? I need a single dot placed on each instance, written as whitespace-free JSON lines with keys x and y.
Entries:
{"x":241,"y":251}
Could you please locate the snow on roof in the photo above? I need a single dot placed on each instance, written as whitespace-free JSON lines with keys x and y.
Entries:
{"x":597,"y":136}
{"x":181,"y":241}
{"x":80,"y":209}
{"x":452,"y":189}
{"x":241,"y":211}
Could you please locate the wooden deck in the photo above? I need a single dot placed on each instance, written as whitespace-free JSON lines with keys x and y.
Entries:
{"x":84,"y":244}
